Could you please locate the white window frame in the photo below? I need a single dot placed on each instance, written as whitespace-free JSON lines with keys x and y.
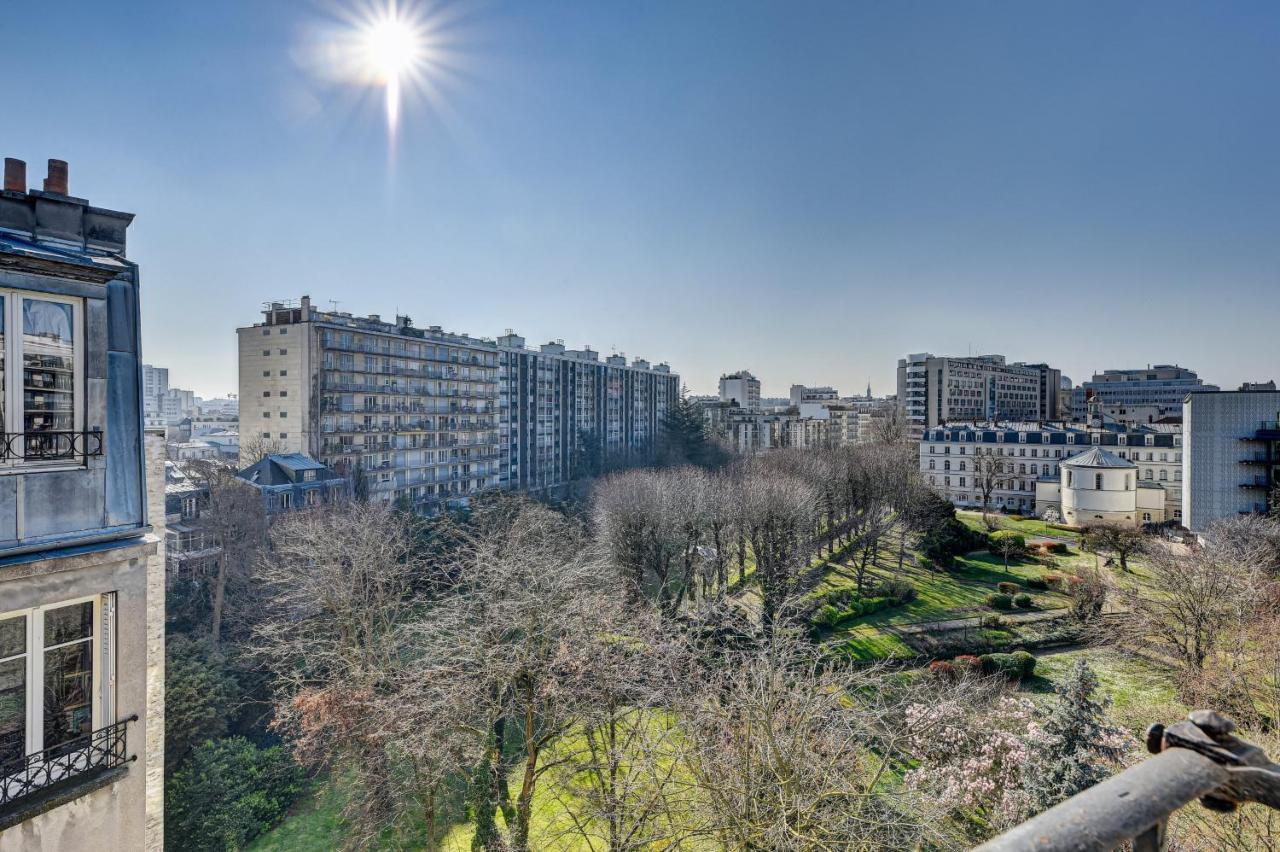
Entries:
{"x":103,"y":651}
{"x":13,"y":395}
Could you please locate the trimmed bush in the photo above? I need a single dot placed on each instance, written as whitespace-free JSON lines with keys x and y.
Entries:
{"x":1038,"y":583}
{"x":1000,"y":601}
{"x":968,"y":662}
{"x":1022,"y":601}
{"x":900,"y":591}
{"x":1060,"y":548}
{"x":1014,"y":666}
{"x":1055,"y":581}
{"x":991,"y":621}
{"x":942,"y":668}
{"x":1008,"y":588}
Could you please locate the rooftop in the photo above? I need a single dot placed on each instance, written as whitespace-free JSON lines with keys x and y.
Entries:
{"x":1098,"y":457}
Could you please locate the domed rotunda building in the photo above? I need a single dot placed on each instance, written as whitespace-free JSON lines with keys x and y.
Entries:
{"x":1099,"y":487}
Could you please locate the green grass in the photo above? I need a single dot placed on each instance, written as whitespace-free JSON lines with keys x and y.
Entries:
{"x":315,"y":823}
{"x":1026,"y":526}
{"x":1141,"y":692}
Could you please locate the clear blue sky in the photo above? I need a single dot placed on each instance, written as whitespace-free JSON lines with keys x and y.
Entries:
{"x":809,"y":190}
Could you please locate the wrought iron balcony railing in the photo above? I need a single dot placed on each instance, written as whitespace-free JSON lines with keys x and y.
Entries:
{"x":105,"y":748}
{"x":1198,"y":758}
{"x":54,"y":445}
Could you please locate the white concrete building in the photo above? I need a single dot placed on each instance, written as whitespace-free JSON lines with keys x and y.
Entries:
{"x":1033,"y":454}
{"x":935,"y":390}
{"x":1233,"y":455}
{"x":742,"y":389}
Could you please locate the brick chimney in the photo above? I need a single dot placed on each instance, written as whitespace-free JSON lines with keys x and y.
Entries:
{"x":57,"y":179}
{"x":15,"y":175}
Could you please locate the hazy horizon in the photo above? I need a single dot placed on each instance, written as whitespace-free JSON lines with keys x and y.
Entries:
{"x":808,"y":191}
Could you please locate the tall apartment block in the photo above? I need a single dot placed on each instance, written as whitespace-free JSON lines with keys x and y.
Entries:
{"x":1138,"y":395}
{"x":430,"y":417}
{"x":742,"y":389}
{"x":406,"y":413}
{"x":565,"y":413}
{"x":81,"y":627}
{"x":935,"y":390}
{"x":1232,"y":463}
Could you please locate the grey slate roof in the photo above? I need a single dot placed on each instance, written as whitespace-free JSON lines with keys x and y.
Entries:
{"x":1097,"y":457}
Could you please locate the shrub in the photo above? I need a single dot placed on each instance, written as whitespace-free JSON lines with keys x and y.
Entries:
{"x":968,"y":662}
{"x":1001,"y":539}
{"x":1059,"y":548}
{"x":991,"y":621}
{"x":198,"y":691}
{"x":227,"y":793}
{"x":1038,"y":583}
{"x":1027,"y":661}
{"x":1008,"y":588}
{"x":827,"y":615}
{"x":899,"y":591}
{"x":1014,"y":666}
{"x":942,"y":668}
{"x":1000,"y":601}
{"x":1022,"y":601}
{"x":1054,"y":580}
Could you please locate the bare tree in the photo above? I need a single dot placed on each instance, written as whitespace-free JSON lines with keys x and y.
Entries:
{"x":255,"y":448}
{"x":233,"y":515}
{"x":638,"y":522}
{"x":778,"y":512}
{"x":336,"y":588}
{"x":1122,"y":541}
{"x":890,"y":427}
{"x":1195,"y":594}
{"x":786,"y":751}
{"x":522,"y":644}
{"x":988,"y":469}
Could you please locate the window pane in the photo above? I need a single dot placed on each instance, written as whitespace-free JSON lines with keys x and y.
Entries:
{"x":13,"y":636}
{"x":13,"y":710}
{"x":68,"y":623}
{"x":48,"y":370}
{"x":68,"y":693}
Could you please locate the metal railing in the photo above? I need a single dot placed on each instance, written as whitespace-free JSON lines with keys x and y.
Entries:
{"x":54,"y":445}
{"x":1199,"y":758}
{"x":102,"y":749}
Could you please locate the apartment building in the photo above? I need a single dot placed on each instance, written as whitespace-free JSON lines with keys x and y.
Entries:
{"x":1146,"y":395}
{"x":565,"y":413}
{"x":1233,"y":455}
{"x":934,"y":390}
{"x":1031,"y":453}
{"x":408,"y":414}
{"x":430,"y":417}
{"x":155,"y":386}
{"x":81,"y":620}
{"x":742,"y":389}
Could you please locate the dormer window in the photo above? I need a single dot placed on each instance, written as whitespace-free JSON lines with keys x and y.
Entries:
{"x":41,"y":374}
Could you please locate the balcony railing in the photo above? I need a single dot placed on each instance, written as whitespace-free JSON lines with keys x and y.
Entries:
{"x":51,"y":445}
{"x":105,"y":748}
{"x":1194,"y":759}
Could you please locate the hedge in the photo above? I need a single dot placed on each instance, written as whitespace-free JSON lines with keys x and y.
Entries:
{"x":1023,"y":601}
{"x":1000,"y":600}
{"x":1014,"y":666}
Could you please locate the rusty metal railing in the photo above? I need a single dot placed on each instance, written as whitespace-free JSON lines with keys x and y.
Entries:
{"x":1199,"y":758}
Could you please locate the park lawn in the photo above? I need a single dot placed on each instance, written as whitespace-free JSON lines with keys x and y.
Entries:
{"x":960,"y":592}
{"x":1140,"y":691}
{"x":1026,"y":526}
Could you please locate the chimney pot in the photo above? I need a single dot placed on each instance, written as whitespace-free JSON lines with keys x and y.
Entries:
{"x":15,"y":175}
{"x":57,"y":179}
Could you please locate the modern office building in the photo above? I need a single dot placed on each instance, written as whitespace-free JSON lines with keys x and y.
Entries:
{"x":1138,"y":396}
{"x":741,"y":389}
{"x":566,"y":413}
{"x":1031,"y":456}
{"x":81,"y":623}
{"x":1233,"y":455}
{"x":935,"y":390}
{"x":429,"y":417}
{"x":155,"y":385}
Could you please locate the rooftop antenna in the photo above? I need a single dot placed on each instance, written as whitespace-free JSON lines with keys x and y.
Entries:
{"x":333,"y":305}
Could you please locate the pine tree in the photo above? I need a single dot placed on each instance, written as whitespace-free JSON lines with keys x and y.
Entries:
{"x":1076,"y":746}
{"x":684,"y":436}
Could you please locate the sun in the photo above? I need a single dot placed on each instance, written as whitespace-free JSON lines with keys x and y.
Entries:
{"x":393,"y":48}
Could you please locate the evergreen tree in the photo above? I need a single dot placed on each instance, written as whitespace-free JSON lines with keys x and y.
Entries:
{"x":1076,"y":746}
{"x":684,"y":436}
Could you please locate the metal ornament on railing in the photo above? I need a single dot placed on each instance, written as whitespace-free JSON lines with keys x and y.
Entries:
{"x":51,"y":445}
{"x":105,"y":748}
{"x":1199,"y":758}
